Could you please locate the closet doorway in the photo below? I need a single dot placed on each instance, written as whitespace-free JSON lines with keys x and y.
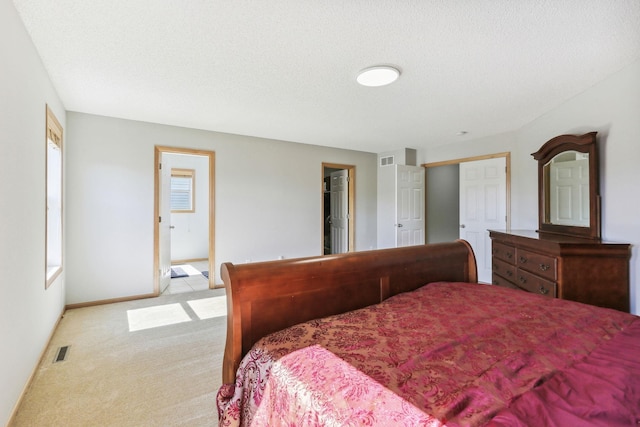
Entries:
{"x":466,"y":197}
{"x":184,"y":219}
{"x":338,"y":208}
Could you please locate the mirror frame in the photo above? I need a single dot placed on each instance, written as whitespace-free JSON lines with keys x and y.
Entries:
{"x":584,"y":144}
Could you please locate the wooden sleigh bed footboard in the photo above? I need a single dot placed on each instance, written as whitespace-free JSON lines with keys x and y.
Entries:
{"x":266,"y":297}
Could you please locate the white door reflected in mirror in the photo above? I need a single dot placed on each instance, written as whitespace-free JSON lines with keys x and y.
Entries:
{"x":567,"y":181}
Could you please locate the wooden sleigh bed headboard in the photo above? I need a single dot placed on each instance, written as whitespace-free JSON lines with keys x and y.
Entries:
{"x":266,"y":297}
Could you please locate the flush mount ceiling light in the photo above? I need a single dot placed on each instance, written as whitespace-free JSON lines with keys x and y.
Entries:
{"x":380,"y":75}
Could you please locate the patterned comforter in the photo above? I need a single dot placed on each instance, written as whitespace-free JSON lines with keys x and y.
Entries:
{"x":454,"y":354}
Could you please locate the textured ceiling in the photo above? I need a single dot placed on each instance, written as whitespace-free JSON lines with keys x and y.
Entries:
{"x":285,"y":69}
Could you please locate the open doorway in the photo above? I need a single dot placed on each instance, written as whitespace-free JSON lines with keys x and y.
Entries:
{"x":184,"y":219}
{"x":338,"y":208}
{"x":465,"y":197}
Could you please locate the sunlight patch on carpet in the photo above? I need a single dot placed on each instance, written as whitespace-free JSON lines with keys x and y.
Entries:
{"x":153,"y":317}
{"x":208,"y":308}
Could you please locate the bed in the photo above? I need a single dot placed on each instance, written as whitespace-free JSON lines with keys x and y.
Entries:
{"x":407,"y":336}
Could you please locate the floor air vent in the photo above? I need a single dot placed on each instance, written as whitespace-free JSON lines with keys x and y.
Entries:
{"x":61,"y":355}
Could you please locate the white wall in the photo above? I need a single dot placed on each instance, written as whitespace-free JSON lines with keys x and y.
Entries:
{"x":28,"y":312}
{"x":612,"y":108}
{"x":190,"y":232}
{"x":268,"y":200}
{"x":467,"y":147}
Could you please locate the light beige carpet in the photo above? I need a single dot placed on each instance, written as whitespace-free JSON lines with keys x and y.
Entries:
{"x":151,"y":362}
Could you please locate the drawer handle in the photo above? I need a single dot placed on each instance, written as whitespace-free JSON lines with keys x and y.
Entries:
{"x":543,"y":290}
{"x":522,"y":280}
{"x":509,"y":255}
{"x":509,"y":273}
{"x":523,"y":260}
{"x":544,"y":267}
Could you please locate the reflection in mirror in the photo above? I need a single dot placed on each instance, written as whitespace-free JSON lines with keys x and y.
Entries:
{"x":566,"y":180}
{"x":568,"y":186}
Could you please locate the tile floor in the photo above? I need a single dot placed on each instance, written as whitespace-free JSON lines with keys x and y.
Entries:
{"x":195,"y":282}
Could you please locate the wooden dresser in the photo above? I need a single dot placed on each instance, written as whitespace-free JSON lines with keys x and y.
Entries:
{"x":588,"y":271}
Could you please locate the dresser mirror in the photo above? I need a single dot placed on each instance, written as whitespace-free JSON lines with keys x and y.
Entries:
{"x":568,"y":186}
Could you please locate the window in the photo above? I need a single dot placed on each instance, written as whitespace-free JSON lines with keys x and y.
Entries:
{"x":54,"y":198}
{"x":183,"y":190}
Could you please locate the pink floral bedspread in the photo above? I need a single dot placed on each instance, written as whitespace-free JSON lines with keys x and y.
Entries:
{"x":454,"y":354}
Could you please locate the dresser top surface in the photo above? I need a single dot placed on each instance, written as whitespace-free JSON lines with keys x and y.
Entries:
{"x":552,"y":238}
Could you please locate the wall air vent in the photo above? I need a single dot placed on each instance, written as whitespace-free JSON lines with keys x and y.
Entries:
{"x":386,"y":161}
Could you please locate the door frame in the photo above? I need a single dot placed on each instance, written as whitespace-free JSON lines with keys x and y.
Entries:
{"x":506,"y":155}
{"x":351,"y":176}
{"x":158,"y":151}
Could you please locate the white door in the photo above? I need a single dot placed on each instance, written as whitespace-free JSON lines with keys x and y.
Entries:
{"x":164,"y":227}
{"x":483,"y":206}
{"x":338,"y":190}
{"x":409,"y":205}
{"x":569,"y":190}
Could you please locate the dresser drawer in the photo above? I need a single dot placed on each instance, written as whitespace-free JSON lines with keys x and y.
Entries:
{"x":537,"y":285}
{"x":578,"y":269}
{"x":504,"y":269}
{"x":504,"y":252}
{"x":541,"y":265}
{"x":501,"y":281}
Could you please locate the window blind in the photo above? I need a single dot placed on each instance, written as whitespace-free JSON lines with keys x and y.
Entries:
{"x":181,"y":191}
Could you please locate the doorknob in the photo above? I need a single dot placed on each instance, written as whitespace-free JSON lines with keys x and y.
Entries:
{"x":398,"y":225}
{"x":462,"y":226}
{"x":172,"y":226}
